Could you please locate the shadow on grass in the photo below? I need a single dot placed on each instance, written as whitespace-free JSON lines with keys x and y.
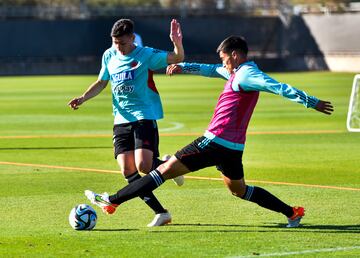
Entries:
{"x":206,"y":225}
{"x":281,"y":228}
{"x":321,"y":228}
{"x":116,"y":229}
{"x":241,"y":228}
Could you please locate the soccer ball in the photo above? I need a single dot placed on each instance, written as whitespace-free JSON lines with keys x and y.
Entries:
{"x":82,"y":217}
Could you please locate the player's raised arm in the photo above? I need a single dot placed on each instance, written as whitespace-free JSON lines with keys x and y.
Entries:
{"x":176,"y":38}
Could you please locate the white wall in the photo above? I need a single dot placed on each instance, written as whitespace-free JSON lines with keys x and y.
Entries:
{"x":338,"y":37}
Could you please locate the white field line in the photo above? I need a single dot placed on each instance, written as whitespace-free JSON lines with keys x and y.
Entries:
{"x":188,"y":177}
{"x":166,"y":130}
{"x":176,"y":126}
{"x":324,"y":250}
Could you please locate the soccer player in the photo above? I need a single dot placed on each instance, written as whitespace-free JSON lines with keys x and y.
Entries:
{"x":136,"y":104}
{"x":223,"y":142}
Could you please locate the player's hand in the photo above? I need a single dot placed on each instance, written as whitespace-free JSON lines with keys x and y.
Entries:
{"x":175,"y":32}
{"x":324,"y":107}
{"x":173,"y":69}
{"x":76,"y":102}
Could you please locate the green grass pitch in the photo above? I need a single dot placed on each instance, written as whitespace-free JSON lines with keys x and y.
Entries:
{"x":45,"y":147}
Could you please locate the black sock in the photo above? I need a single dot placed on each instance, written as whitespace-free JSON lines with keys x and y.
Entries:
{"x":141,"y":186}
{"x":157,"y":162}
{"x":267,"y":200}
{"x":149,"y":198}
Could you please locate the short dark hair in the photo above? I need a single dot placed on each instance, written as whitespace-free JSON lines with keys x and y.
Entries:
{"x":233,"y":43}
{"x":122,"y":27}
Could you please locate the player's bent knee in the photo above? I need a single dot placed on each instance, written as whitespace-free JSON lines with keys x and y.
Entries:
{"x":238,"y":194}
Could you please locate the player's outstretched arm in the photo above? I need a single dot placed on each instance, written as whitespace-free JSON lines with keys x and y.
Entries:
{"x":324,"y":107}
{"x":207,"y":70}
{"x":91,"y":92}
{"x":176,"y":38}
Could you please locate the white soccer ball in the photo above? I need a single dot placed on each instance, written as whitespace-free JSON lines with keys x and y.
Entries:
{"x":82,"y":217}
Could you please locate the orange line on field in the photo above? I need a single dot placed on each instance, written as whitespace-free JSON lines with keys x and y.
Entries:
{"x":58,"y":167}
{"x":164,"y":134}
{"x":281,"y":183}
{"x":56,"y":136}
{"x":188,"y":177}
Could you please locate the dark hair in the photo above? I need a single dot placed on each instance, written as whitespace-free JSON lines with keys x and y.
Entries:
{"x":233,"y":43}
{"x":122,"y":27}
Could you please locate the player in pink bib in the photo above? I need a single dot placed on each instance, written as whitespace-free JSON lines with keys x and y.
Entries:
{"x":223,"y":142}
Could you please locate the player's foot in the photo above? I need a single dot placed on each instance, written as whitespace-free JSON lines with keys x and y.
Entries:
{"x":294,"y":220}
{"x":179,"y":181}
{"x":101,"y":200}
{"x":160,"y":219}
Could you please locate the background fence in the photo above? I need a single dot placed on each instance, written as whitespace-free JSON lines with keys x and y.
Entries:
{"x":59,"y":37}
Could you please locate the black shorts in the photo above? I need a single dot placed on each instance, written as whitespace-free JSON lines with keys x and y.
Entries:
{"x":203,"y":153}
{"x":142,"y":134}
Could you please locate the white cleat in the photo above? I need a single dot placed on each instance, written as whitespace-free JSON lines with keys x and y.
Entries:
{"x":160,"y":219}
{"x":180,"y":180}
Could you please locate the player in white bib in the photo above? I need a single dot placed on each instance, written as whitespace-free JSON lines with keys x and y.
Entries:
{"x":136,"y":103}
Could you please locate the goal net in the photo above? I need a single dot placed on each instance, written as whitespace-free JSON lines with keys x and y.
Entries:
{"x":353,"y":118}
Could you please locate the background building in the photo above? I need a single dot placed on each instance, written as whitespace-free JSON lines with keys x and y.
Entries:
{"x":69,"y":37}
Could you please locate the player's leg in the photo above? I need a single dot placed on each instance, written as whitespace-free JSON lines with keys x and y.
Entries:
{"x":126,"y":162}
{"x":124,"y":150}
{"x":265,"y":199}
{"x":148,"y":183}
{"x":190,"y":158}
{"x":170,"y":169}
{"x":143,"y":160}
{"x":257,"y":195}
{"x":233,"y":177}
{"x":147,"y":148}
{"x":164,"y":217}
{"x":146,"y":141}
{"x":124,"y":145}
{"x":198,"y":154}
